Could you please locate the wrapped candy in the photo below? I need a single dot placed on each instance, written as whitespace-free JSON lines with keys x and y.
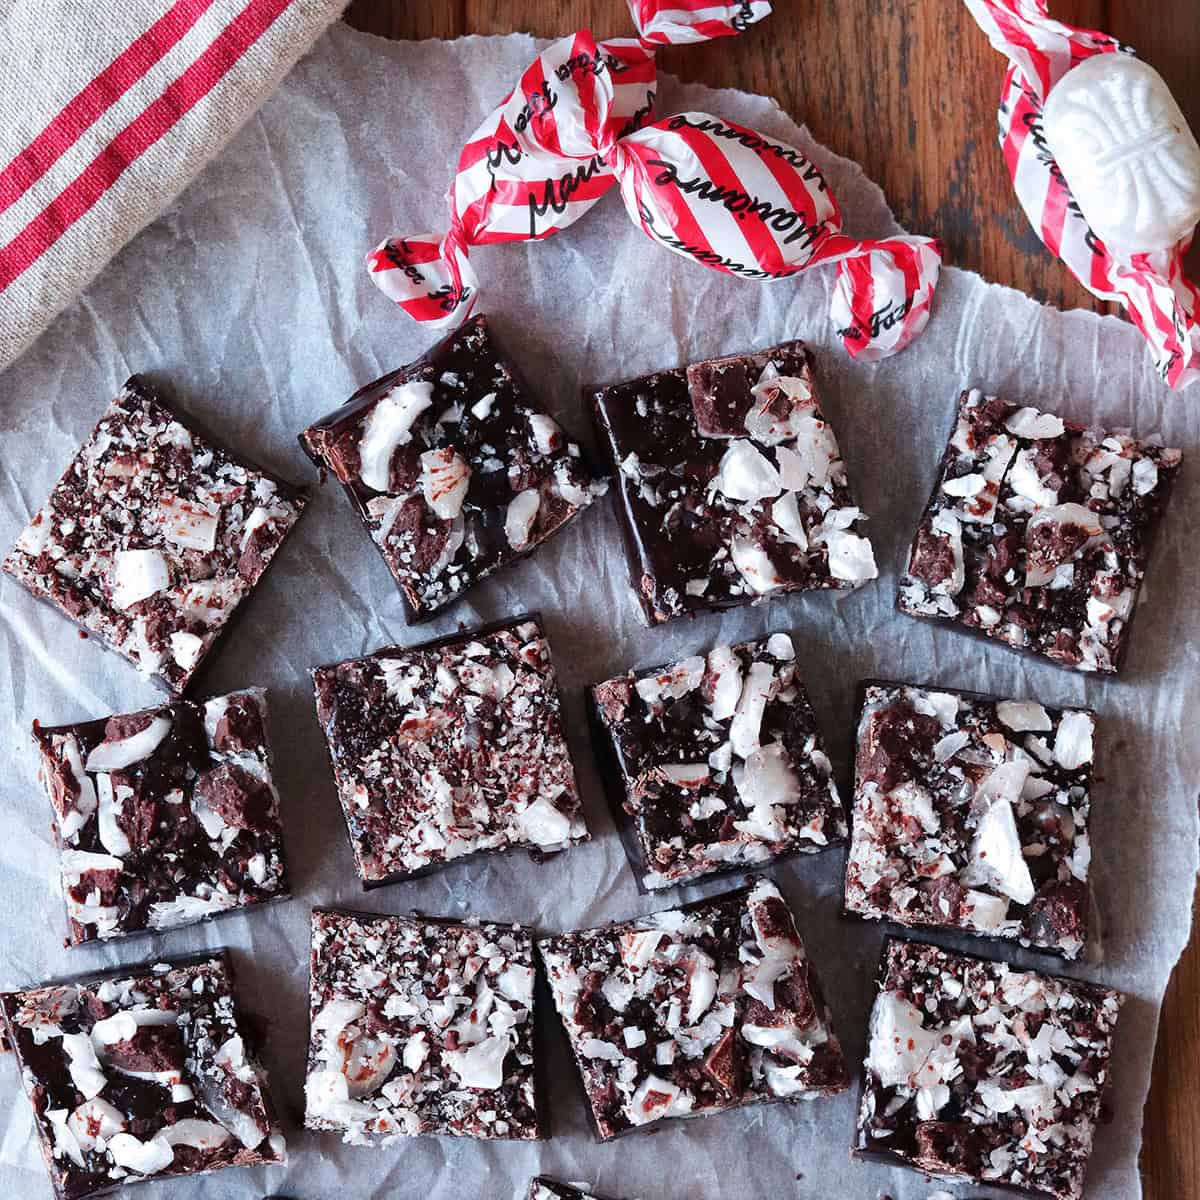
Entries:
{"x":1106,"y":169}
{"x":578,"y":124}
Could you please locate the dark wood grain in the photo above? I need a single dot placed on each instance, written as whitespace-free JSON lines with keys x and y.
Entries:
{"x":908,"y":88}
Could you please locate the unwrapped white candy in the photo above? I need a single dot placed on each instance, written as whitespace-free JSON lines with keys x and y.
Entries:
{"x":1126,"y":152}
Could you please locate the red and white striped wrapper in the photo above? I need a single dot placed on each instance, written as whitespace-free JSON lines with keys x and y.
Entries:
{"x":725,"y":196}
{"x":1161,"y":301}
{"x":107,"y":109}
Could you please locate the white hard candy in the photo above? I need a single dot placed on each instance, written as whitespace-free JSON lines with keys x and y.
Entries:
{"x":1126,"y":152}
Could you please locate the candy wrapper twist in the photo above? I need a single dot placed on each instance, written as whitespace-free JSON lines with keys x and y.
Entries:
{"x":576,"y":125}
{"x":1105,"y":168}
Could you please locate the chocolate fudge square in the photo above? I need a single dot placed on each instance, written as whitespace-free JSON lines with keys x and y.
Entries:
{"x":731,"y":487}
{"x":454,"y":466}
{"x":143,"y":1073}
{"x":716,"y":762}
{"x":154,"y":536}
{"x":542,"y":1188}
{"x":971,"y":812}
{"x":978,"y":1071}
{"x":449,"y":749}
{"x":693,"y":1011}
{"x":420,"y":1027}
{"x":1038,"y":531}
{"x":164,"y":817}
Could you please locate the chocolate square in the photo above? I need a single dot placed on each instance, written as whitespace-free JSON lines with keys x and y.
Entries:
{"x":731,"y":487}
{"x":164,"y":817}
{"x":694,"y":1011}
{"x":449,"y":749}
{"x":418,"y":1027}
{"x":716,"y":762}
{"x":972,"y":812}
{"x":1038,"y":532}
{"x":454,"y":467}
{"x":154,"y":536}
{"x":142,"y":1073}
{"x":978,"y":1071}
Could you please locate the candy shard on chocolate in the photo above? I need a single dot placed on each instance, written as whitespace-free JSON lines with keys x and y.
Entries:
{"x":1038,"y":532}
{"x":730,"y":486}
{"x":420,"y":1026}
{"x":141,"y":1073}
{"x":723,"y":985}
{"x":453,"y":467}
{"x":449,"y":749}
{"x":166,"y":816}
{"x":716,"y":763}
{"x":154,"y":536}
{"x":972,"y":813}
{"x":978,"y":1071}
{"x":543,"y":1188}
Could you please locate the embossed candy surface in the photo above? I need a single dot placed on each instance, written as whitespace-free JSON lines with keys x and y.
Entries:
{"x":1127,"y":152}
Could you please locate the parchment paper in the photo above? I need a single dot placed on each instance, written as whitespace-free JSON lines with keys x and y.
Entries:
{"x":249,"y":298}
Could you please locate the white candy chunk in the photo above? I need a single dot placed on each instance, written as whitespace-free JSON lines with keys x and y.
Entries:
{"x":747,"y":718}
{"x":1145,"y":476}
{"x":114,"y":756}
{"x":482,"y":1066}
{"x":769,"y":778}
{"x":637,"y":949}
{"x":779,"y":645}
{"x":79,"y":862}
{"x":200,"y":1135}
{"x":546,"y":433}
{"x":112,"y":836}
{"x":850,"y":557}
{"x":786,"y":515}
{"x":482,"y":409}
{"x":727,"y":687}
{"x":673,"y":682}
{"x":185,"y":910}
{"x":1023,"y":715}
{"x":1032,"y":423}
{"x":416,"y":1051}
{"x":518,"y":521}
{"x":327,"y":1098}
{"x":783,"y":1040}
{"x":984,"y":911}
{"x":188,"y":524}
{"x":754,"y":565}
{"x":82,"y":806}
{"x":445,"y":478}
{"x":688,"y":776}
{"x":946,"y":748}
{"x":1039,"y":572}
{"x":702,"y":985}
{"x":1073,"y":741}
{"x":186,"y":648}
{"x":137,"y":574}
{"x":390,"y":425}
{"x":899,"y":1044}
{"x":996,"y":856}
{"x":84,"y":1066}
{"x":947,"y":525}
{"x":365,"y":1062}
{"x":964,"y":486}
{"x":762,"y":422}
{"x":95,"y":1121}
{"x":1126,"y":152}
{"x":745,"y":474}
{"x":543,"y":824}
{"x":656,"y":1098}
{"x":143,"y":1158}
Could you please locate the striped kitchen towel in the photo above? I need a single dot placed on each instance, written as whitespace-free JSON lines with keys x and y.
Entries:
{"x":107,"y":109}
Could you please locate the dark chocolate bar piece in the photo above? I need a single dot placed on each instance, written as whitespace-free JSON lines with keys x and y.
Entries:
{"x":154,"y":536}
{"x":1038,"y":532}
{"x":971,"y":812}
{"x":717,"y":762}
{"x":420,"y":1026}
{"x":454,"y":466}
{"x":731,"y":487}
{"x":143,"y":1073}
{"x":978,"y":1071}
{"x":450,"y":749}
{"x":693,"y":1011}
{"x":166,"y":816}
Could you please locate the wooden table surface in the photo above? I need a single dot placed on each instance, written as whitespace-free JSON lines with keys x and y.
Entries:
{"x":908,"y":88}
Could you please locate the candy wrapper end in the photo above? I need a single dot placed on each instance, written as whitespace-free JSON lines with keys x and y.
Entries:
{"x":433,"y":282}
